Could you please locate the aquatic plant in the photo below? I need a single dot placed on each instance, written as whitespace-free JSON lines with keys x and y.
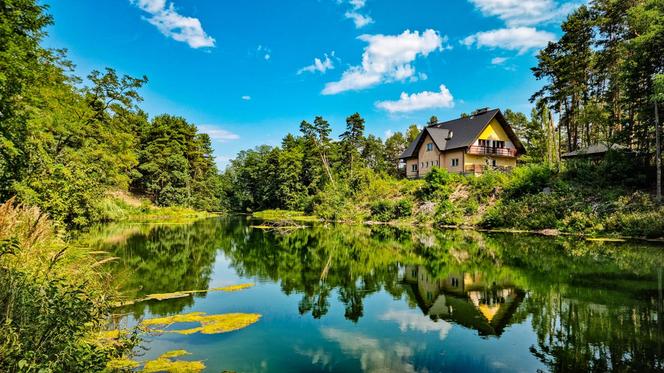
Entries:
{"x":209,"y":324}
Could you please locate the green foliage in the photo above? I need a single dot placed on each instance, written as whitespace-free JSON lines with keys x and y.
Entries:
{"x":438,"y":184}
{"x":387,"y":210}
{"x":528,"y":179}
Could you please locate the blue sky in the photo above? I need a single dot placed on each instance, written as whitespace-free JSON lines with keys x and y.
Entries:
{"x":246,"y":71}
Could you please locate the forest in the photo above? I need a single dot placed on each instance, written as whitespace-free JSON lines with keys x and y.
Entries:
{"x":70,"y":146}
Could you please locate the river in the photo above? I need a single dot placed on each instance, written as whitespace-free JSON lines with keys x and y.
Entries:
{"x":343,"y":298}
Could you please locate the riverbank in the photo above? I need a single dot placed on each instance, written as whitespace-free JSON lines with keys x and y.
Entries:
{"x":57,"y":295}
{"x":532,"y":199}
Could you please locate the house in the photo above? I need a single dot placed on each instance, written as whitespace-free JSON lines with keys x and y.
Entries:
{"x":465,"y":145}
{"x":594,"y":152}
{"x":464,"y":298}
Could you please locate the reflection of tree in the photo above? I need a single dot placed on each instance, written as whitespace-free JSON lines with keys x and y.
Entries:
{"x":165,"y":259}
{"x":594,"y":306}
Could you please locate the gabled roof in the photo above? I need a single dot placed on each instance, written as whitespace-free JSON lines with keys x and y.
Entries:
{"x":464,"y":131}
{"x":594,"y":150}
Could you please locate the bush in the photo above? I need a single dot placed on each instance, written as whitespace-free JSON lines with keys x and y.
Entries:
{"x":638,"y":224}
{"x":438,"y":184}
{"x":530,"y":179}
{"x":539,"y":211}
{"x":385,"y":210}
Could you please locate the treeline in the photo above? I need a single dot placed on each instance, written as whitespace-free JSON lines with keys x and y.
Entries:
{"x":311,"y":166}
{"x":600,"y":75}
{"x":65,"y":144}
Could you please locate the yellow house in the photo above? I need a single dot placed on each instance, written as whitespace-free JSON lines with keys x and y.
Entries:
{"x":464,"y":145}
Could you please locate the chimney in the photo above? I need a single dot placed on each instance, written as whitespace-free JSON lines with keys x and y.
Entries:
{"x":480,"y":111}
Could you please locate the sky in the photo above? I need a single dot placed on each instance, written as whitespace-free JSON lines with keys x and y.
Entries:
{"x":248,"y":72}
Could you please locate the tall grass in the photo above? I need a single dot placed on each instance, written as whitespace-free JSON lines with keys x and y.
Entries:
{"x":53,"y":299}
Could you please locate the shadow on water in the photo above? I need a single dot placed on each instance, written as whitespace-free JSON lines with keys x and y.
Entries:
{"x":592,"y":306}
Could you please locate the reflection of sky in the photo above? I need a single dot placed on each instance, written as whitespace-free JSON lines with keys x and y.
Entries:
{"x":390,"y":337}
{"x":415,"y":320}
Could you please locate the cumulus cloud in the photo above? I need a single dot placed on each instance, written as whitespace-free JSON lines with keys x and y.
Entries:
{"x":387,"y":58}
{"x":518,"y":38}
{"x":174,"y":25}
{"x":265,"y":51}
{"x":411,"y":321}
{"x":218,"y":134}
{"x":246,"y":98}
{"x":419,"y":101}
{"x":524,"y":12}
{"x":319,"y":65}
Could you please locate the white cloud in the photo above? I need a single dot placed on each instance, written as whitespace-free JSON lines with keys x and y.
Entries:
{"x":419,"y":101}
{"x":518,"y":38}
{"x":246,"y":98}
{"x":373,"y":354}
{"x":218,"y":134}
{"x":360,"y":20}
{"x":410,"y":321}
{"x":319,"y":65}
{"x":498,"y":60}
{"x":387,"y":58}
{"x":524,"y":12}
{"x":174,"y":25}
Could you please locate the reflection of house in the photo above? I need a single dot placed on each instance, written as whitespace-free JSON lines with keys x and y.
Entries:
{"x":465,"y":299}
{"x":468,"y":144}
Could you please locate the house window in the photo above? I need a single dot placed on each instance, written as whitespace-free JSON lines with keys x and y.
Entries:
{"x":493,"y":162}
{"x":414,"y":167}
{"x":483,"y":143}
{"x":498,"y":144}
{"x":429,"y":147}
{"x":455,"y":162}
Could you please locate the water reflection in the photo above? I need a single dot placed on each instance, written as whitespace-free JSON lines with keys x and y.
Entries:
{"x":586,"y":306}
{"x":465,"y":299}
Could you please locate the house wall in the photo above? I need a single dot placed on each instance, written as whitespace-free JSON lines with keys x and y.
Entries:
{"x":494,"y":131}
{"x":447,"y":157}
{"x":428,"y":159}
{"x":409,"y":168}
{"x":484,"y":160}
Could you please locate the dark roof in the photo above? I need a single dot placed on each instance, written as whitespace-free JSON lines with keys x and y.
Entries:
{"x":464,"y":131}
{"x":593,"y":150}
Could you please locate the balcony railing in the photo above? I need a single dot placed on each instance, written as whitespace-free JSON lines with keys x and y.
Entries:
{"x":488,"y":150}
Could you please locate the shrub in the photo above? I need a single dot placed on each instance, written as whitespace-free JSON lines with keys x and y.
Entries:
{"x":580,"y":222}
{"x":528,"y":179}
{"x":382,"y":210}
{"x":539,"y":211}
{"x":639,"y":224}
{"x":438,"y":184}
{"x":403,"y":208}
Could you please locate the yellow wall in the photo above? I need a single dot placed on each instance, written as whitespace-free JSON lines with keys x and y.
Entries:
{"x":471,"y":159}
{"x":494,"y":131}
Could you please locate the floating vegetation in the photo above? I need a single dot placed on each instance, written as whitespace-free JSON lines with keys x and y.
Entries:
{"x":599,"y":239}
{"x":164,"y":364}
{"x":209,"y":324}
{"x":233,"y":287}
{"x":122,"y":363}
{"x":181,"y":294}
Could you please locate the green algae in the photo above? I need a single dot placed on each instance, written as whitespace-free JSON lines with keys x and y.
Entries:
{"x":209,"y":324}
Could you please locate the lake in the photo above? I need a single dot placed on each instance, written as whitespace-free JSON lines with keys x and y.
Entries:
{"x":343,"y":298}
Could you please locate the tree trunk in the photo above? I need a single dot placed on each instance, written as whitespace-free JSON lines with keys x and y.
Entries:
{"x":658,"y":152}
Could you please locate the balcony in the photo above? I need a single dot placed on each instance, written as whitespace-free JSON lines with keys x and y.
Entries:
{"x":488,"y":150}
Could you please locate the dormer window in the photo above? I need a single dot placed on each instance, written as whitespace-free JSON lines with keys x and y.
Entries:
{"x":429,"y":147}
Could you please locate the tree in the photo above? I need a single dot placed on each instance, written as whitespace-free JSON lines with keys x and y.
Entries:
{"x":412,"y":132}
{"x":351,"y":141}
{"x":433,"y":120}
{"x":394,"y":146}
{"x":658,"y":82}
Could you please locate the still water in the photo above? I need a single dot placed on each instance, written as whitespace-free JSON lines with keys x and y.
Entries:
{"x":339,"y":298}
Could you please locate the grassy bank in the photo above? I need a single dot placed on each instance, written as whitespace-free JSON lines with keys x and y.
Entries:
{"x":121,"y":206}
{"x":54,"y":301}
{"x":593,"y":200}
